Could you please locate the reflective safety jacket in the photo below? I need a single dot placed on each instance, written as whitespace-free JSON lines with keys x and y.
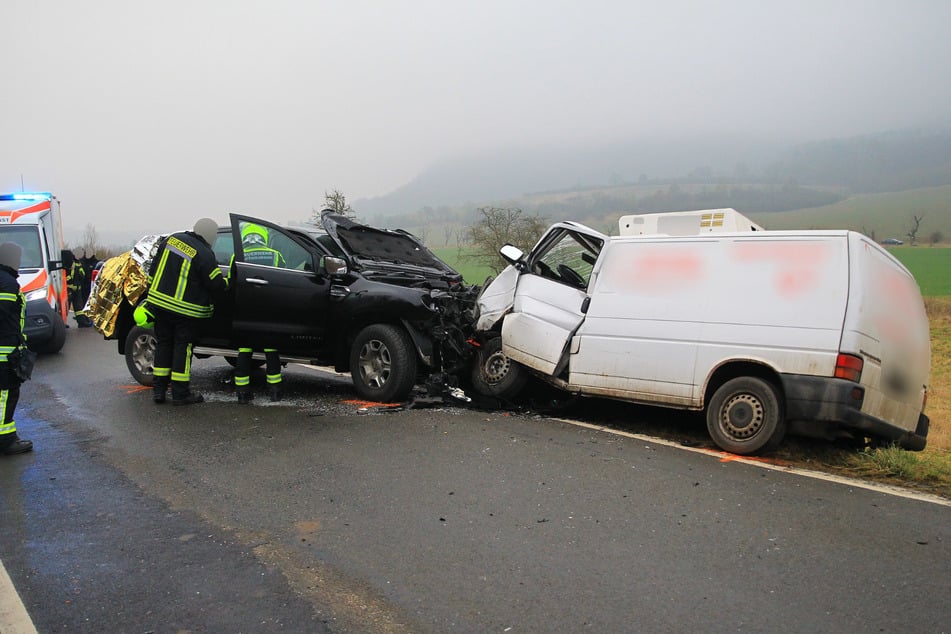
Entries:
{"x":263,"y":255}
{"x":75,"y":276}
{"x":12,"y":312}
{"x":184,"y":276}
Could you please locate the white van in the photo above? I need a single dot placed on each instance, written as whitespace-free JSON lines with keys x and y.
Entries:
{"x":823,"y":333}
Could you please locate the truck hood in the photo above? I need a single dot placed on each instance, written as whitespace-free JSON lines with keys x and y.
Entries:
{"x":396,"y":255}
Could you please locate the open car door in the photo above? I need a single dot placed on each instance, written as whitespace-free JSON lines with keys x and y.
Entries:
{"x":280,"y":301}
{"x":551,"y":298}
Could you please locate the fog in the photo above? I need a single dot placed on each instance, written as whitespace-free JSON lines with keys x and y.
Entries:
{"x":143,"y":117}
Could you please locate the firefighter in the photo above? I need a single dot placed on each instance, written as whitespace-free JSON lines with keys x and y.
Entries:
{"x":255,"y":242}
{"x":183,"y":278}
{"x":75,"y":281}
{"x":12,"y":312}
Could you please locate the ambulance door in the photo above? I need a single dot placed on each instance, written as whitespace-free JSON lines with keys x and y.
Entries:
{"x":551,"y":298}
{"x":283,"y":303}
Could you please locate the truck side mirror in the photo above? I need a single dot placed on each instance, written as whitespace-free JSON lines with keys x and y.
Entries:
{"x":333,"y":266}
{"x":66,"y":259}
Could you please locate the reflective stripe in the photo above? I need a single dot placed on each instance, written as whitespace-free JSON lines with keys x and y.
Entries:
{"x":241,"y":381}
{"x":6,"y":428}
{"x":161,"y":372}
{"x":273,"y":378}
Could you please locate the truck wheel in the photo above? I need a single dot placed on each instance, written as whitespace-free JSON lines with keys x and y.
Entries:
{"x":744,"y":416}
{"x":140,"y":354}
{"x":494,"y":374}
{"x":383,"y":364}
{"x":57,"y":338}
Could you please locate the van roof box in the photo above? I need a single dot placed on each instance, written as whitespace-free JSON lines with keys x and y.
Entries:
{"x":686,"y":223}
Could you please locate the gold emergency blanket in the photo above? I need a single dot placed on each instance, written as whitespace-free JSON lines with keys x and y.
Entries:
{"x":121,"y":279}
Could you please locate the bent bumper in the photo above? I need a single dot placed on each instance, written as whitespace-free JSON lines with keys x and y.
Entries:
{"x":839,"y":402}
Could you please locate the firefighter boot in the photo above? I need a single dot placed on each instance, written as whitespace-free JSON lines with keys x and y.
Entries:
{"x":159,"y":388}
{"x":245,"y":396}
{"x":182,"y":395}
{"x":16,"y":445}
{"x":275,"y":392}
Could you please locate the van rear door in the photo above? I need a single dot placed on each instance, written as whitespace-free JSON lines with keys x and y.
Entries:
{"x":886,"y":324}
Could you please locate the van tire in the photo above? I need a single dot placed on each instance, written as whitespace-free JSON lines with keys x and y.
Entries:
{"x":140,"y":354}
{"x":745,"y":416}
{"x":383,"y":363}
{"x":494,"y":374}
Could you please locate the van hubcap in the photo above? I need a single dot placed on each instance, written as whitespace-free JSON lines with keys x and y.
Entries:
{"x":742,"y":416}
{"x":495,"y":367}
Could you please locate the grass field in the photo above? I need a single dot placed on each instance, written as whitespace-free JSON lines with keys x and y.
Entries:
{"x":930,"y":266}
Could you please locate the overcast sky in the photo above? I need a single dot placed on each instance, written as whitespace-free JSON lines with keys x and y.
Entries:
{"x":144,"y":116}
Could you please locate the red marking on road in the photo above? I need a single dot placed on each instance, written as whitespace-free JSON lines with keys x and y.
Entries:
{"x":359,"y":403}
{"x":132,"y":389}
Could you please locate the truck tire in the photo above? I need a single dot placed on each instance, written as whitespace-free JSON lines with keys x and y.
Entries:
{"x":140,"y":354}
{"x":383,"y":363}
{"x":494,"y":374}
{"x":57,"y":338}
{"x":745,"y":416}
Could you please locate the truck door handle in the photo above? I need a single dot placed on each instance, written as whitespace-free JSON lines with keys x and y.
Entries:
{"x":585,"y":304}
{"x":257,"y":281}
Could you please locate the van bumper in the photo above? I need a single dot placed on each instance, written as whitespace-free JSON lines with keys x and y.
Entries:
{"x":38,"y":322}
{"x":839,"y":402}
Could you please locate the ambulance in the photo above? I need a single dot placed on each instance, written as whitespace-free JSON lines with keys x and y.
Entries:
{"x":32,"y":220}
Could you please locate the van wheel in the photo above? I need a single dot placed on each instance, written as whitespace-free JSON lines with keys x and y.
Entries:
{"x":140,"y":354}
{"x":494,"y":374}
{"x":744,"y":416}
{"x":383,"y":363}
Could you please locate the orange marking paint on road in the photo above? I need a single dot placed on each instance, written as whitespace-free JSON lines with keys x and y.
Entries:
{"x":132,"y":389}
{"x":359,"y":403}
{"x":730,"y":457}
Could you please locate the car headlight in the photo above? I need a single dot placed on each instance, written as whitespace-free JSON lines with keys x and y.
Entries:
{"x":39,"y":293}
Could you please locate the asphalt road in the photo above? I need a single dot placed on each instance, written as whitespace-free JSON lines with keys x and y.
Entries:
{"x":315,"y":515}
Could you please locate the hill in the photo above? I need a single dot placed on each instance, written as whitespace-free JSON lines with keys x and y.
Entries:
{"x":665,"y":174}
{"x":878,"y":215}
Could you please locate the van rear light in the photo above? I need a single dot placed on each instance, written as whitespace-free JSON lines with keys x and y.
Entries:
{"x":849,"y":367}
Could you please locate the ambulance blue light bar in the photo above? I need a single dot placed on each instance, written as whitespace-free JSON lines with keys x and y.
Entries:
{"x":27,"y":196}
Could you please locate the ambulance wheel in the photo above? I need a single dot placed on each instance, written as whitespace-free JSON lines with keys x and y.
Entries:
{"x":140,"y":354}
{"x":383,"y":363}
{"x":57,"y":338}
{"x":494,"y":374}
{"x":745,"y":417}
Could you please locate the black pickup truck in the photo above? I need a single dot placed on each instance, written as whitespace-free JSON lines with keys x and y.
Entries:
{"x":374,"y":302}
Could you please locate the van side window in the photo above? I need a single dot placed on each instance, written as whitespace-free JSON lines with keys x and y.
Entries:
{"x":569,"y":258}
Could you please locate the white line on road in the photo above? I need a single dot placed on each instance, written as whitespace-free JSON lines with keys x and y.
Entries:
{"x":726,"y":456}
{"x":14,"y":618}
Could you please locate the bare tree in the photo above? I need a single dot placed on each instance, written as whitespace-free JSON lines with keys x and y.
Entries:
{"x":498,"y":226}
{"x":90,"y":241}
{"x":913,"y":232}
{"x":336,"y":202}
{"x":869,"y":232}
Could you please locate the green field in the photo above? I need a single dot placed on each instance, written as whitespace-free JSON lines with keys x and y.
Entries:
{"x":930,"y":266}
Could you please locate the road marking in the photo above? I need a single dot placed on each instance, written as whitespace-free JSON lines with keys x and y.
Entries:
{"x":14,"y":618}
{"x":772,"y":465}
